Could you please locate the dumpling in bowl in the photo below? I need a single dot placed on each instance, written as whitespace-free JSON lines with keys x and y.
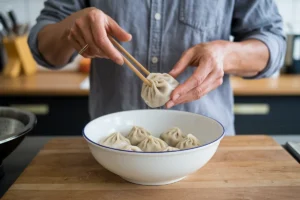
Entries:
{"x":115,"y":140}
{"x":169,"y":148}
{"x":189,"y":141}
{"x":137,"y":134}
{"x":158,"y":94}
{"x":172,"y":136}
{"x":152,"y":144}
{"x":131,"y":148}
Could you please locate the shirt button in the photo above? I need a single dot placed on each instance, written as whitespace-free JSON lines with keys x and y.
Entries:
{"x":157,"y":16}
{"x":154,"y":60}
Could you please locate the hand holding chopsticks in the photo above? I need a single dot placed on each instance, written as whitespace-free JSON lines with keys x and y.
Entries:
{"x":126,"y":61}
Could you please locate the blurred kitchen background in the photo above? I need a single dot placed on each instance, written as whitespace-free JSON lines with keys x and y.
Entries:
{"x":60,"y":98}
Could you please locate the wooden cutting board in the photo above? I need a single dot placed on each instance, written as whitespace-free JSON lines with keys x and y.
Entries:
{"x":244,"y":167}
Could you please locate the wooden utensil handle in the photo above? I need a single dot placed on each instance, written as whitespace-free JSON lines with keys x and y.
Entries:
{"x":143,"y":78}
{"x":120,"y":48}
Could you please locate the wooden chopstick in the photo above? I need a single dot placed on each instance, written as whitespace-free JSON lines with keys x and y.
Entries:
{"x":120,"y":48}
{"x":143,"y":78}
{"x":126,"y":61}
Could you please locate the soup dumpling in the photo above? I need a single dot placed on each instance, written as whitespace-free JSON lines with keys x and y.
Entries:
{"x":189,"y":141}
{"x":131,"y":148}
{"x":115,"y":140}
{"x":158,"y":94}
{"x":169,"y":148}
{"x":152,"y":144}
{"x":172,"y":136}
{"x":137,"y":134}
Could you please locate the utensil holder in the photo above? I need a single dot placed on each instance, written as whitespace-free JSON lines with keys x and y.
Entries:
{"x":19,"y":57}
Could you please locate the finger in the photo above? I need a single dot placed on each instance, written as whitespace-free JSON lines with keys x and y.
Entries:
{"x":76,"y":42}
{"x":183,"y":63}
{"x":194,"y":81}
{"x":84,"y":30}
{"x":101,"y":39}
{"x":192,"y":95}
{"x":117,"y":31}
{"x":195,"y":94}
{"x":101,"y":54}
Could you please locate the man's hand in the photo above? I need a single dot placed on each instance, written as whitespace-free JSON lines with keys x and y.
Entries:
{"x":209,"y":60}
{"x":91,"y":26}
{"x":57,"y":42}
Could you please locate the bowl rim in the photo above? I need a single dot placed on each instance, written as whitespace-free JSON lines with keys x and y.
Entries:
{"x":31,"y":124}
{"x":156,"y":152}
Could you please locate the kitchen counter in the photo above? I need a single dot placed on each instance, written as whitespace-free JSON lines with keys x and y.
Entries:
{"x":68,"y":83}
{"x":15,"y":164}
{"x":44,"y":84}
{"x":19,"y":159}
{"x":244,"y":167}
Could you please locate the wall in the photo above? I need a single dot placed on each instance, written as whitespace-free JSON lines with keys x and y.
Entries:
{"x":290,"y":11}
{"x":28,"y":10}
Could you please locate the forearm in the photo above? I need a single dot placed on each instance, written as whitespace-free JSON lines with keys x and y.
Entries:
{"x":246,"y":58}
{"x":53,"y":44}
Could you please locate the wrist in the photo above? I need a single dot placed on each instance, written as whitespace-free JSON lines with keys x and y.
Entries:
{"x":227,"y":52}
{"x":231,"y":56}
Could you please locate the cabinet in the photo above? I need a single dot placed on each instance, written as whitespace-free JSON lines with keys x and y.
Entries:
{"x":266,"y":106}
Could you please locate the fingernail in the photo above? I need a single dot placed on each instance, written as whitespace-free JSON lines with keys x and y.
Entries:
{"x":119,"y":61}
{"x":170,"y":104}
{"x":175,"y":97}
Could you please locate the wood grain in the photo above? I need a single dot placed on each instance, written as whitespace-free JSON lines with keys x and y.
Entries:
{"x":244,"y":167}
{"x":283,"y":85}
{"x":67,"y":84}
{"x":44,"y":84}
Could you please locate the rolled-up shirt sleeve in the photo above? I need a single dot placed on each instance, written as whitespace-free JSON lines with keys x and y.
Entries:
{"x":54,"y":11}
{"x":260,"y":20}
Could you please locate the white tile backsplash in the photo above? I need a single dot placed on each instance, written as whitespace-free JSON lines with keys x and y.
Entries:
{"x":28,"y":10}
{"x":290,"y":11}
{"x":285,"y":8}
{"x":35,"y":7}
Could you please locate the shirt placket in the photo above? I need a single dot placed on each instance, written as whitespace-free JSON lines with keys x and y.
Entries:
{"x":155,"y":36}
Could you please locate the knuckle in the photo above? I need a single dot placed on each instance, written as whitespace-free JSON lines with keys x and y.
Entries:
{"x":94,"y":10}
{"x":101,"y":40}
{"x":220,"y":73}
{"x":179,"y":91}
{"x":220,"y":81}
{"x":210,"y":66}
{"x":198,"y":92}
{"x":69,"y":37}
{"x":72,"y":32}
{"x":93,"y":14}
{"x":78,"y":23}
{"x":198,"y":80}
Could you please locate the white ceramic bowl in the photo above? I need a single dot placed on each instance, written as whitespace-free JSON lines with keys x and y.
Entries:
{"x":154,"y":168}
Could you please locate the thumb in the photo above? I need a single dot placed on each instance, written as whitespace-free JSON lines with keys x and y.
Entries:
{"x":117,"y":31}
{"x":182,"y":64}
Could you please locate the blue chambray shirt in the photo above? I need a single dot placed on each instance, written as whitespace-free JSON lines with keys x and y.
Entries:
{"x":162,"y":30}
